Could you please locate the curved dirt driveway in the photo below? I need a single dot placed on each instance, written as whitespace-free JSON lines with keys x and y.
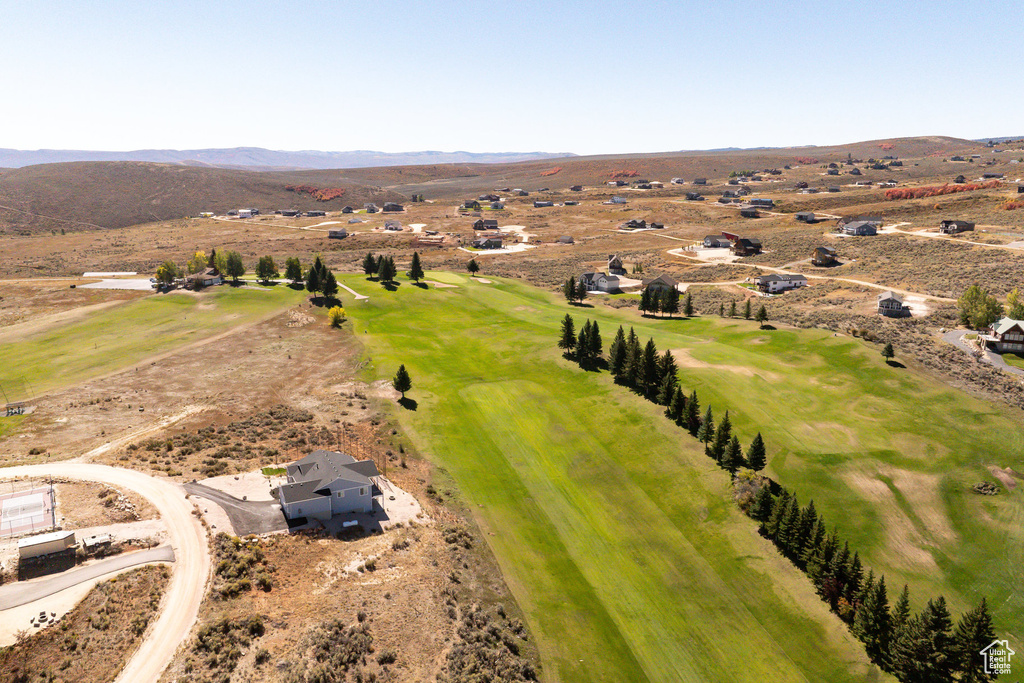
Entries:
{"x":180,"y":605}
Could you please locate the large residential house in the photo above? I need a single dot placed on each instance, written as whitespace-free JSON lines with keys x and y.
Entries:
{"x":746,"y":246}
{"x":485,"y":224}
{"x":955,"y":227}
{"x":488,"y":242}
{"x":823,"y":256}
{"x":1005,"y":336}
{"x":204,"y":278}
{"x":779,"y":283}
{"x":615,"y":266}
{"x":891,"y":304}
{"x":662,"y":283}
{"x":327,"y":483}
{"x":600,"y":282}
{"x":716,"y":242}
{"x":860,"y":228}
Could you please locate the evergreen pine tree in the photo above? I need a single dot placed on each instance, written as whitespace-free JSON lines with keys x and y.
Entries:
{"x":901,"y":611}
{"x":596,"y":344}
{"x":655,"y":303}
{"x":973,"y":633}
{"x":649,"y":369}
{"x":581,"y":291}
{"x":733,"y":458}
{"x":329,"y":286}
{"x":763,"y":503}
{"x":756,"y":454}
{"x":569,"y":290}
{"x":732,"y":309}
{"x":721,"y":310}
{"x":808,"y":520}
{"x":762,"y":316}
{"x":370,"y":264}
{"x":670,"y":302}
{"x":815,"y":543}
{"x":872,"y":623}
{"x":693,"y":413}
{"x":293,"y":269}
{"x":888,"y":352}
{"x":667,"y":367}
{"x":666,"y":390}
{"x":634,"y":361}
{"x":688,"y":306}
{"x":707,"y":428}
{"x":854,"y":578}
{"x":779,"y":511}
{"x":321,"y":270}
{"x":402,"y":382}
{"x":746,"y":310}
{"x":617,"y":355}
{"x":645,"y":300}
{"x":789,"y":527}
{"x":924,"y":649}
{"x":676,"y":410}
{"x":416,"y":268}
{"x":583,"y":346}
{"x":473,"y":267}
{"x":722,"y":436}
{"x":567,"y":342}
{"x":313,"y":281}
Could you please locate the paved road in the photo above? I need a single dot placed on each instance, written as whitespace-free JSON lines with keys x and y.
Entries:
{"x":24,"y":592}
{"x":352,"y":291}
{"x":247,"y":516}
{"x":955,"y":337}
{"x":180,"y":606}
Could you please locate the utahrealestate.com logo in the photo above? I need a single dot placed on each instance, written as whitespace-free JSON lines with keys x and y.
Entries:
{"x":997,"y":657}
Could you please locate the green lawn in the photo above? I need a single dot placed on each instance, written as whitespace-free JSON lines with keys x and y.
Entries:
{"x":619,"y":537}
{"x":1014,"y":359}
{"x":115,"y":338}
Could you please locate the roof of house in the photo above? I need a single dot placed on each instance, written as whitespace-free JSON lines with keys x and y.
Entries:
{"x":666,"y":280}
{"x":853,"y":225}
{"x":884,"y":296}
{"x":204,"y":274}
{"x":317,"y":470}
{"x":826,"y":250}
{"x":775,"y":277}
{"x":1004,"y":325}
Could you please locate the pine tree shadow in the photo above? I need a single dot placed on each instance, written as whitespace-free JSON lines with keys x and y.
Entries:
{"x":421,"y":285}
{"x":579,"y":304}
{"x":894,"y":363}
{"x":391,"y":286}
{"x":408,"y":403}
{"x":297,"y":286}
{"x":768,"y":327}
{"x":235,"y":283}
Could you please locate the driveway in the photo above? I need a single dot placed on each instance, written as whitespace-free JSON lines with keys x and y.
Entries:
{"x":247,"y":516}
{"x":955,"y":337}
{"x":192,"y":554}
{"x":23,"y":592}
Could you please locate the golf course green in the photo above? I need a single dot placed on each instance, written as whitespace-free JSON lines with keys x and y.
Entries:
{"x":620,"y":538}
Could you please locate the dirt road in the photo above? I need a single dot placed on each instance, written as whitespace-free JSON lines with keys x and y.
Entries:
{"x":180,"y":605}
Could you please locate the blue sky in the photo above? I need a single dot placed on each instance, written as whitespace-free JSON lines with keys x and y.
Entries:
{"x":585,"y":77}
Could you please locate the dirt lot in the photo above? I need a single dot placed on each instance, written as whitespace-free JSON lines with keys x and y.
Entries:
{"x":93,"y":641}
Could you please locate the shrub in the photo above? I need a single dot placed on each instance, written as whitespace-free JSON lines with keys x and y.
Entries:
{"x":387,"y":657}
{"x":336,"y":316}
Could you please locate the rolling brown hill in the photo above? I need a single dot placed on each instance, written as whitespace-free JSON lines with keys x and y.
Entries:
{"x":91,"y":195}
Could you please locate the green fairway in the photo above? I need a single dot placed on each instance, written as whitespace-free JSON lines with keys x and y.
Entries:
{"x":115,"y":338}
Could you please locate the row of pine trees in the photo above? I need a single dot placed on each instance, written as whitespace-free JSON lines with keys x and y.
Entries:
{"x":915,"y":648}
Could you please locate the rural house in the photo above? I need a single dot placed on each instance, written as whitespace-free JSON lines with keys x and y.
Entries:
{"x":746,"y":246}
{"x":762,"y":202}
{"x":955,"y":227}
{"x":823,"y":256}
{"x":960,"y":180}
{"x":497,"y":206}
{"x":471,"y":205}
{"x":371,"y":208}
{"x":806,"y":217}
{"x":540,"y":204}
{"x":338,"y":234}
{"x":860,"y":228}
{"x":576,"y":188}
{"x":694,"y":197}
{"x":566,"y":239}
{"x":600,"y":282}
{"x":488,"y":242}
{"x":347,"y":209}
{"x":485,"y":224}
{"x":716,"y":242}
{"x":662,"y":283}
{"x":779,"y":283}
{"x":700,"y":181}
{"x":891,"y":304}
{"x":1005,"y":336}
{"x":204,"y":278}
{"x":391,"y":207}
{"x":615,"y":265}
{"x":749,"y":212}
{"x":327,"y":483}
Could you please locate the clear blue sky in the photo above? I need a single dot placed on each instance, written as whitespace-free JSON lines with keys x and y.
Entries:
{"x":585,"y":77}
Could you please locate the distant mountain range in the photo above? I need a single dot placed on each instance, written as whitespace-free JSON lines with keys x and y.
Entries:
{"x":256,"y":158}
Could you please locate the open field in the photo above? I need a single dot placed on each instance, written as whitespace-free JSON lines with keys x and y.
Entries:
{"x":600,"y":509}
{"x":48,"y":353}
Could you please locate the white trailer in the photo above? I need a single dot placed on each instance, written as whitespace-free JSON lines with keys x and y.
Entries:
{"x":45,"y":544}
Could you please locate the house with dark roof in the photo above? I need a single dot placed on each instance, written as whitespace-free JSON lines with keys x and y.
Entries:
{"x":328,"y":483}
{"x":960,"y":180}
{"x":860,"y":228}
{"x":576,"y":188}
{"x":823,"y":256}
{"x":488,"y":242}
{"x":542,"y":203}
{"x":700,"y":181}
{"x":776,"y":282}
{"x":694,"y":197}
{"x":955,"y":227}
{"x":391,"y":207}
{"x":746,"y":246}
{"x":891,"y":304}
{"x":615,"y":265}
{"x":371,"y":207}
{"x":485,"y":224}
{"x":806,"y":217}
{"x":749,"y":212}
{"x":471,"y":205}
{"x":204,"y":278}
{"x":716,"y":242}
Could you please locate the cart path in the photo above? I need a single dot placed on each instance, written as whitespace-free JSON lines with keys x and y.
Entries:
{"x":179,"y":607}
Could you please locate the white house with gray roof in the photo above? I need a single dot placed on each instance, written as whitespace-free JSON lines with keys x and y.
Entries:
{"x":327,"y":483}
{"x":780,"y":282}
{"x":1006,"y":336}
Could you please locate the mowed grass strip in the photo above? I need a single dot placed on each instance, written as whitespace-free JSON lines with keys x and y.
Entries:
{"x":115,"y":338}
{"x":615,"y":532}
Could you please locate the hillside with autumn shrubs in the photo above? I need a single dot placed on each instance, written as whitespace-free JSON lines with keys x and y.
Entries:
{"x":937,"y":190}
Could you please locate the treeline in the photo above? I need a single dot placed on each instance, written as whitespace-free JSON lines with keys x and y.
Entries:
{"x":916,"y":648}
{"x":383,"y":268}
{"x":657,"y":300}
